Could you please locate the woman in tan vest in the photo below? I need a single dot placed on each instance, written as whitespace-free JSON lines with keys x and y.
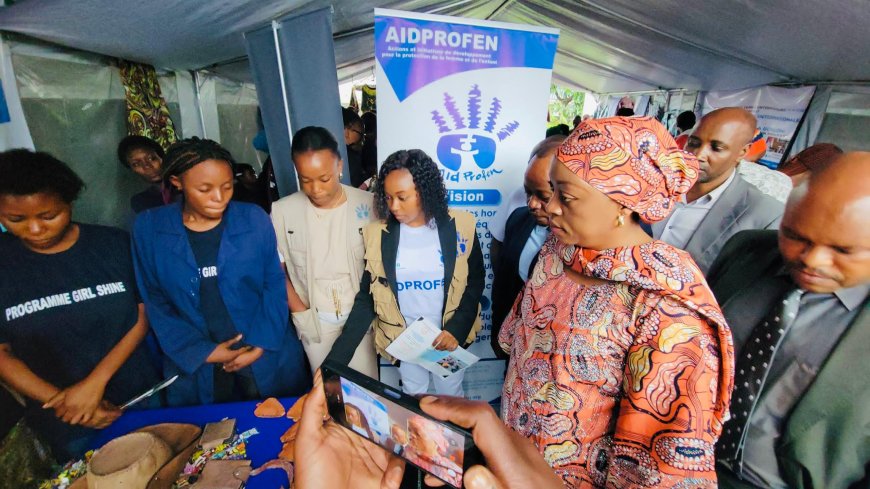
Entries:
{"x":422,"y":260}
{"x":320,"y":237}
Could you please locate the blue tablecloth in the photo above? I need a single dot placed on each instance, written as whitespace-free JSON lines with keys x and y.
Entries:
{"x":261,"y":448}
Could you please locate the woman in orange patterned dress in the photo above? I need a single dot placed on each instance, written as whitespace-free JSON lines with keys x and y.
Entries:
{"x":621,"y":363}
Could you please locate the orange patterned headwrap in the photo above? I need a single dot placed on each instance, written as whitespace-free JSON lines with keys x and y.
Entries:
{"x":632,"y":160}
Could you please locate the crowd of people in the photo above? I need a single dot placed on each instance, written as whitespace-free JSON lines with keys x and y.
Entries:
{"x":669,"y":318}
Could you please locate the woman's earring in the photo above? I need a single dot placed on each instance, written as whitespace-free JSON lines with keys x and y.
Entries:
{"x":620,"y":221}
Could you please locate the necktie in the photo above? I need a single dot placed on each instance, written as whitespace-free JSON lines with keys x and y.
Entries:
{"x":751,"y":371}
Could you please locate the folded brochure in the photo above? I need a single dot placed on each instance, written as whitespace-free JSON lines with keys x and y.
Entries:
{"x":415,"y":345}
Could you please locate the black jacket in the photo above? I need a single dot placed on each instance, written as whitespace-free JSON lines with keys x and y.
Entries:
{"x":506,"y":281}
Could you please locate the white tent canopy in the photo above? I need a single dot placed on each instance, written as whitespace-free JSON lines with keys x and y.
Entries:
{"x":605,"y":46}
{"x":72,"y":101}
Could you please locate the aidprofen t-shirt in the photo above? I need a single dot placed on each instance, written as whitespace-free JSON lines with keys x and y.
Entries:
{"x":420,"y":273}
{"x":62,"y":313}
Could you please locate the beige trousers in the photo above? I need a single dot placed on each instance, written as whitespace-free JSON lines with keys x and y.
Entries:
{"x":319,"y":336}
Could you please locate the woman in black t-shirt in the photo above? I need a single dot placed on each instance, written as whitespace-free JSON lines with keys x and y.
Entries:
{"x":71,"y":321}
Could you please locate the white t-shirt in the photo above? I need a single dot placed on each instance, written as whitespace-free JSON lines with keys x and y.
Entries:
{"x":420,"y":273}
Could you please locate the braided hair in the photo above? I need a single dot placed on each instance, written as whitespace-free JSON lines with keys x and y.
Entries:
{"x":187,"y":153}
{"x":427,"y":179}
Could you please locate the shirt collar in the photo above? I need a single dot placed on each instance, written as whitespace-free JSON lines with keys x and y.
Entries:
{"x":851,"y":297}
{"x":707,"y":201}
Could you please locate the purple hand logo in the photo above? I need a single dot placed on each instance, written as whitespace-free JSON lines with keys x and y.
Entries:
{"x":467,"y":143}
{"x":461,"y":244}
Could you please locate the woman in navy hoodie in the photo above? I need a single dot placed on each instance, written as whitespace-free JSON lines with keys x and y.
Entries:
{"x":213,"y":287}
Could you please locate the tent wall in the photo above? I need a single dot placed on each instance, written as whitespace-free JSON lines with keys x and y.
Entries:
{"x":75,"y":108}
{"x":297,"y":53}
{"x":237,"y":117}
{"x":838,"y":114}
{"x":263,"y":55}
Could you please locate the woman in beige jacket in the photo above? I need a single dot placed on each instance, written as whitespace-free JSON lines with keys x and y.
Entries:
{"x":320,"y":237}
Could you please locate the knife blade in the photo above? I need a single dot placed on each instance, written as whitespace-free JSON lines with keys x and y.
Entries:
{"x":150,"y":392}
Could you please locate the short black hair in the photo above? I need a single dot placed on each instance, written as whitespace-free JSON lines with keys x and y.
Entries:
{"x":624,"y":112}
{"x":313,"y":138}
{"x":132,"y":143}
{"x":28,"y":172}
{"x":187,"y":153}
{"x":561,"y":129}
{"x":349,"y":116}
{"x":427,"y":179}
{"x":547,"y":146}
{"x":686,"y":120}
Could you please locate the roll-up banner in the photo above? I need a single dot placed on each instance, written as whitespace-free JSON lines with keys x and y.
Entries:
{"x":473,"y":95}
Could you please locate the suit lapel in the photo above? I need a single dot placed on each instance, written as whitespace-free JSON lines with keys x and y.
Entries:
{"x":844,"y":377}
{"x":515,"y":243}
{"x":719,"y":220}
{"x":526,"y":229}
{"x":751,"y":305}
{"x":389,"y":250}
{"x":447,"y":235}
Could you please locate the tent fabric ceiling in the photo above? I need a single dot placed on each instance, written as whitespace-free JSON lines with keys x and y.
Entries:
{"x":605,"y":45}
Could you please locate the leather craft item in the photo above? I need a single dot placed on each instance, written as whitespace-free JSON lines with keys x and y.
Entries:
{"x":224,"y":474}
{"x":149,"y":458}
{"x":288,"y":451}
{"x":270,"y":408}
{"x":295,"y":412}
{"x":290,"y":434}
{"x":216,"y":433}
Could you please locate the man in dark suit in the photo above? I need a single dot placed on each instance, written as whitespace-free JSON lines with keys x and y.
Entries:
{"x":721,"y":203}
{"x":525,"y":232}
{"x":797,"y":304}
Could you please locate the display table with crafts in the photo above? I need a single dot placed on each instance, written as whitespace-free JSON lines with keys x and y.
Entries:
{"x":261,"y":446}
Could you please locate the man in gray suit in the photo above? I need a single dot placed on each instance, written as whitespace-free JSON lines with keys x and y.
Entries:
{"x":798,"y":303}
{"x":721,"y":203}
